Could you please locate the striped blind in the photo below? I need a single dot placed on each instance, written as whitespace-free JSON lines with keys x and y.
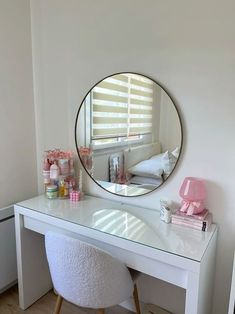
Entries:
{"x":122,"y":106}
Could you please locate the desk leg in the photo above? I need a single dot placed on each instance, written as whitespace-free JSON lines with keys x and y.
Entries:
{"x":192,"y":294}
{"x":200,"y":286}
{"x":33,"y":273}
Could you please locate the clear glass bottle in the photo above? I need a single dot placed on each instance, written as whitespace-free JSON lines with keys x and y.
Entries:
{"x":66,"y":190}
{"x":165,"y":210}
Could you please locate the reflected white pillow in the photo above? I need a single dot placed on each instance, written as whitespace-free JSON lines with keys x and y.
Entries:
{"x":157,"y":157}
{"x":168,"y":162}
{"x":147,"y":168}
{"x":176,"y":152}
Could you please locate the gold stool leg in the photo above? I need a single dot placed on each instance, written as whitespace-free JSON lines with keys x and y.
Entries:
{"x":58,"y":304}
{"x":136,"y":299}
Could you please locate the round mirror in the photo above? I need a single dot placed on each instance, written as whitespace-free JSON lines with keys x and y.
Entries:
{"x":128,"y":134}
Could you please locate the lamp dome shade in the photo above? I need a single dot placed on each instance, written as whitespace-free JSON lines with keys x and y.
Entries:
{"x":193,"y":189}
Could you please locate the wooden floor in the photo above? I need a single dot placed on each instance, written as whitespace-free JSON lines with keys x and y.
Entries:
{"x":9,"y":305}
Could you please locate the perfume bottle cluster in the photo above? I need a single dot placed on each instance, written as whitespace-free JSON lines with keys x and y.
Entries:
{"x":58,"y":173}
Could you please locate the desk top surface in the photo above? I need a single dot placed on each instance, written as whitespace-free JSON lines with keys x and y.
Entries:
{"x":132,"y":223}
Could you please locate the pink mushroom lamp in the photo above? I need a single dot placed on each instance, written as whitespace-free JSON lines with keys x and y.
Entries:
{"x":193,"y":193}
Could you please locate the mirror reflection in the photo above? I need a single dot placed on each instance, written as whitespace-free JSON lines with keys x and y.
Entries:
{"x":128,"y":134}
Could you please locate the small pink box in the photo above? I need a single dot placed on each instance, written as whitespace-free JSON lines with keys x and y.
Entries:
{"x":74,"y":196}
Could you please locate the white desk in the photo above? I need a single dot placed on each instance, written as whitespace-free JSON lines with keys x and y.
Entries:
{"x":137,"y":236}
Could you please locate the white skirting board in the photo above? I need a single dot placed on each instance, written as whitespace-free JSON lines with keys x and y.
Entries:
{"x":8,"y":267}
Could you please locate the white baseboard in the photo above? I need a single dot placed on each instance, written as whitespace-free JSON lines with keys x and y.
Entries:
{"x":8,"y":286}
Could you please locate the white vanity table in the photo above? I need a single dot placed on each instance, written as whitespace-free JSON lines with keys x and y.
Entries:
{"x":172,"y":253}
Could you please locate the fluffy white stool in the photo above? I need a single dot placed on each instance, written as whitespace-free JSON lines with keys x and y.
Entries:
{"x":87,"y":276}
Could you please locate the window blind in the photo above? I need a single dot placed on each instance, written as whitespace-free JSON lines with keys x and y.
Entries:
{"x":121,"y":106}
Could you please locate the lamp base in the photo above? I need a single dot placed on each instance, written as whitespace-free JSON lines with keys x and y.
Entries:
{"x":192,"y":207}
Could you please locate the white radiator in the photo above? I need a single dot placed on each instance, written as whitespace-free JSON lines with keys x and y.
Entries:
{"x":8,"y":268}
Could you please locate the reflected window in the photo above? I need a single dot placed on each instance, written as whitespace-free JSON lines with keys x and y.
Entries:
{"x":121,"y":109}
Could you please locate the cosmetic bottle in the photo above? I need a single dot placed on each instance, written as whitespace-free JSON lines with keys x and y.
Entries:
{"x":165,"y":210}
{"x":61,"y":189}
{"x":54,"y":171}
{"x":66,"y":190}
{"x":167,"y":215}
{"x":163,"y":205}
{"x":46,"y":165}
{"x":70,"y":187}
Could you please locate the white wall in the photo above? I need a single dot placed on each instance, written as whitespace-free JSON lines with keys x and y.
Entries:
{"x":170,"y":135}
{"x":18,"y":176}
{"x":189,"y":47}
